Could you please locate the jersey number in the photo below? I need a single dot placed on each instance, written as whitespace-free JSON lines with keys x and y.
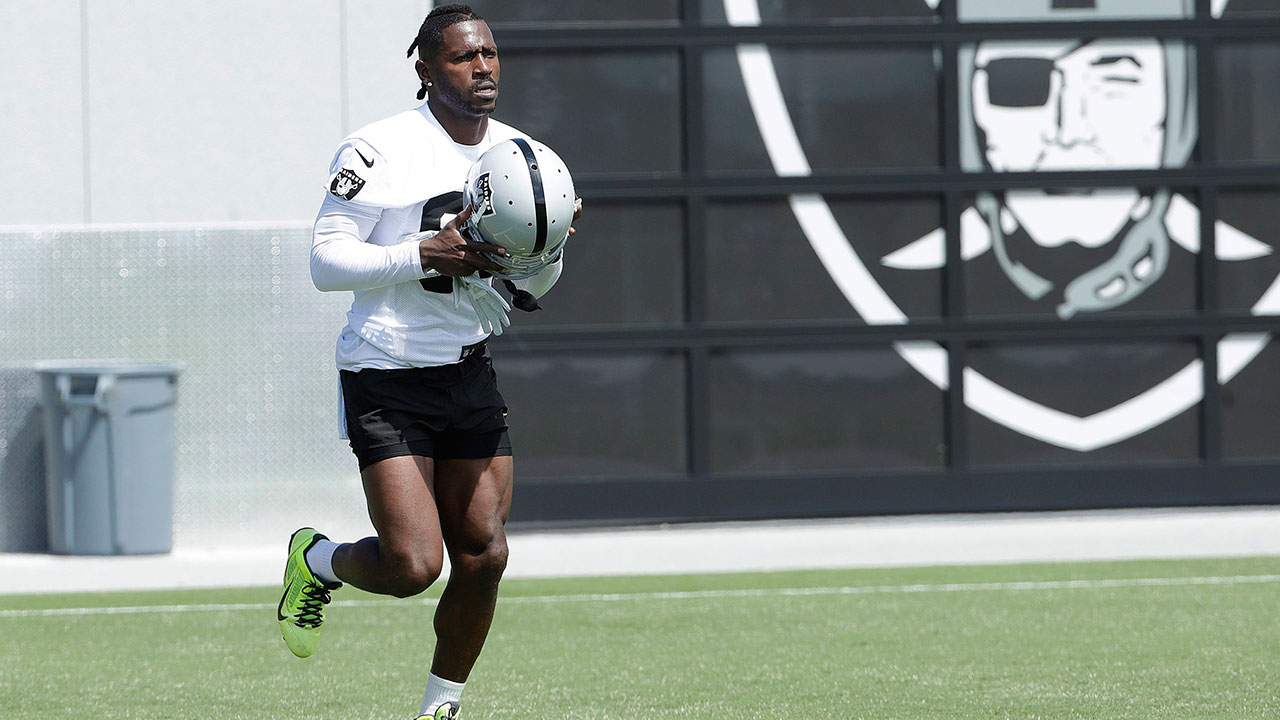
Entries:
{"x":433,"y":212}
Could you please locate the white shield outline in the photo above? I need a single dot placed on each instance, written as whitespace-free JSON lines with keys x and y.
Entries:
{"x":1158,"y":404}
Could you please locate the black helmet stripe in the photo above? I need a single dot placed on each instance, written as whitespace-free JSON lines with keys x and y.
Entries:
{"x":539,"y":200}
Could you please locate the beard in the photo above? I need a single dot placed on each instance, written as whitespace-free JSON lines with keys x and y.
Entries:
{"x":454,"y":98}
{"x":1090,"y":219}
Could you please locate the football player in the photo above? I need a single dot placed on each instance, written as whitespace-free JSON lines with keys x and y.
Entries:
{"x":419,"y":399}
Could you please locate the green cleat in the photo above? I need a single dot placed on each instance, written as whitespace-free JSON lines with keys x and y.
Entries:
{"x":302,"y":601}
{"x":447,"y":711}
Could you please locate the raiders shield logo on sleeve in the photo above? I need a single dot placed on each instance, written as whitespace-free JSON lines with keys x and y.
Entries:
{"x":346,"y":184}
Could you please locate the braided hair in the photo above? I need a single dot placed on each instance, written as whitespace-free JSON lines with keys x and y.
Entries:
{"x":430,"y":36}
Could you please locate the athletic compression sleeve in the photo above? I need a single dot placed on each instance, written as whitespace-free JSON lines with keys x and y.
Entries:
{"x":342,"y":260}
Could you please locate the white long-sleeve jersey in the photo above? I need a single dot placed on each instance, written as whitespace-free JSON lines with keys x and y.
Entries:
{"x":388,"y":180}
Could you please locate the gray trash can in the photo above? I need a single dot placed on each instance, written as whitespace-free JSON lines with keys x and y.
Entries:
{"x":108,"y":429}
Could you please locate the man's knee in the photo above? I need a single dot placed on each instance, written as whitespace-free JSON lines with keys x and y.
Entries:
{"x":483,"y":561}
{"x":411,"y":573}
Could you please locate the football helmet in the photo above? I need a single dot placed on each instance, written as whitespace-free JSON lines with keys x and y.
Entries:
{"x":522,"y":199}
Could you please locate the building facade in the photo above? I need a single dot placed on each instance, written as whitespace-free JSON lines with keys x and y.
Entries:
{"x":837,"y":258}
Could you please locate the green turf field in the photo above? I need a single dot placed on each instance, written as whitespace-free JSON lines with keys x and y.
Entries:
{"x":1194,"y":640}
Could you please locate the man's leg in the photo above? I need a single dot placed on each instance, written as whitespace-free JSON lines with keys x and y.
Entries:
{"x":406,"y":556}
{"x":474,"y":497}
{"x":403,"y":560}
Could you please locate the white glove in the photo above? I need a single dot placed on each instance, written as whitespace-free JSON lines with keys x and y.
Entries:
{"x":491,"y":308}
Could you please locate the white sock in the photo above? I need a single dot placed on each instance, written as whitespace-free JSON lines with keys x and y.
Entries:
{"x":439,"y":692}
{"x":320,"y":560}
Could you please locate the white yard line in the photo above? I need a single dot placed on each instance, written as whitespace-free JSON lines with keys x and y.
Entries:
{"x":922,"y":540}
{"x":1021,"y":586}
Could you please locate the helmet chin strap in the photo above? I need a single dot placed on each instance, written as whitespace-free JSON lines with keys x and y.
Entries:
{"x":521,"y":299}
{"x":1026,"y":280}
{"x":1111,"y":284}
{"x":1148,"y":239}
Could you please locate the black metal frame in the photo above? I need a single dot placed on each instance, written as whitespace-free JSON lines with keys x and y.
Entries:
{"x":701,"y":495}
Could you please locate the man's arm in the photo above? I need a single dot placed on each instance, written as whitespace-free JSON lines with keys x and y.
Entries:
{"x":342,"y":260}
{"x":359,"y":189}
{"x":452,"y":252}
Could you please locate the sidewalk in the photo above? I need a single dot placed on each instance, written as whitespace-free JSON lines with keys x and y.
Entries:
{"x":732,"y":547}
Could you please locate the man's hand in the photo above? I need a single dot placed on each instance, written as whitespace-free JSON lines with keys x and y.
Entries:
{"x":577,"y":212}
{"x":451,"y":252}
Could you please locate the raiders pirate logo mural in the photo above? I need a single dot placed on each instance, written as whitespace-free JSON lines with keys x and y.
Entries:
{"x":1065,"y":254}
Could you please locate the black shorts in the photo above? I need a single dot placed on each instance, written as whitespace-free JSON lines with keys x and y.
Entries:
{"x":447,"y":411}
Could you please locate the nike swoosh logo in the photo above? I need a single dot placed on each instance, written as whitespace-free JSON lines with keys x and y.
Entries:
{"x":285,"y":596}
{"x":367,"y":162}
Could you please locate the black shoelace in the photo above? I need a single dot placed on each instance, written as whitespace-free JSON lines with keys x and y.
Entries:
{"x":315,"y":598}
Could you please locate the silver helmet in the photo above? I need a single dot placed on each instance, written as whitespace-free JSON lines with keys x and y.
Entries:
{"x":522,"y":199}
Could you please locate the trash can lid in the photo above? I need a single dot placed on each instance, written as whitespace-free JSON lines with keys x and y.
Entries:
{"x":125,"y":368}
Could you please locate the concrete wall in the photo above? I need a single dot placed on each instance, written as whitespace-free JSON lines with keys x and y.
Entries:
{"x":151,"y":111}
